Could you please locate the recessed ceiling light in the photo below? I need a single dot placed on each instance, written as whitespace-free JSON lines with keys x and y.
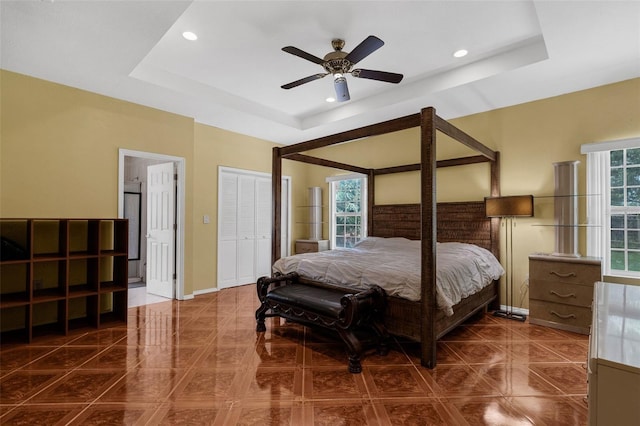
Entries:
{"x":460,"y":53}
{"x":330,"y":99}
{"x":189,"y":36}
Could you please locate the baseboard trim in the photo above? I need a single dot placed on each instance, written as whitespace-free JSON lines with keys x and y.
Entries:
{"x":205,"y":291}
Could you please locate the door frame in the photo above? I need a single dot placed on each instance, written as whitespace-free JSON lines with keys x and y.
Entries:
{"x":179,"y":163}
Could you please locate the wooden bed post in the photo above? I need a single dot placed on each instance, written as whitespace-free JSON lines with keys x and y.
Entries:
{"x":495,"y":192}
{"x":276,"y":197}
{"x":371,"y":191}
{"x":428,"y":236}
{"x":495,"y":223}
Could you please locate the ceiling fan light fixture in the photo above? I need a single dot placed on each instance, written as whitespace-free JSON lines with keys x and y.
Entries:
{"x":342,"y":90}
{"x":191,"y":36}
{"x":460,"y":53}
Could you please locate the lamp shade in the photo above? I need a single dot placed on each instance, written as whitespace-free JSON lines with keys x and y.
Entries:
{"x":514,"y":205}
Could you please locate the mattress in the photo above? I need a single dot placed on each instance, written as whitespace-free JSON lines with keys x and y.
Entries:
{"x":394,"y":264}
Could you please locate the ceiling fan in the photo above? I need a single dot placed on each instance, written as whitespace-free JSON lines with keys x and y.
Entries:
{"x":339,"y":63}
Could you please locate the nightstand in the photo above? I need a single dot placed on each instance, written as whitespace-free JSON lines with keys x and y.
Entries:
{"x":311,"y":246}
{"x":561,"y":291}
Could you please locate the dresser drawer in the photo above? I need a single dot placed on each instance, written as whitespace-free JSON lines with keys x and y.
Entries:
{"x":306,"y":248}
{"x":311,"y":246}
{"x":575,"y":317}
{"x":566,"y":272}
{"x":565,"y":293}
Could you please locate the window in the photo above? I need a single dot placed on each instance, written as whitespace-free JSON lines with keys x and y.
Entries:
{"x":348,"y":210}
{"x":613,"y":205}
{"x":624,"y":202}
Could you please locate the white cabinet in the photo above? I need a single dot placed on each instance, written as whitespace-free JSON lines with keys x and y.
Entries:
{"x":614,"y":356}
{"x":244,"y":227}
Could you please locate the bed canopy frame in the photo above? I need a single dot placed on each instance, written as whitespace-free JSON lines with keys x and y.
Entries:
{"x":430,"y":123}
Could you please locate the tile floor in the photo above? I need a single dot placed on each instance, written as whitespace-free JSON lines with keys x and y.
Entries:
{"x":138,"y":296}
{"x":201,"y":362}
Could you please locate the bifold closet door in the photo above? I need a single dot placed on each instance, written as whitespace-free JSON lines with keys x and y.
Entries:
{"x":244,"y":228}
{"x":227,"y":229}
{"x":263,"y":227}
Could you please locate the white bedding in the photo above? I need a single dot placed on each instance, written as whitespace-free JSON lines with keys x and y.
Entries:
{"x":394,"y":264}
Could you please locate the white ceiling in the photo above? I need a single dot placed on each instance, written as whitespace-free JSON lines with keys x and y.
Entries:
{"x":230,"y":77}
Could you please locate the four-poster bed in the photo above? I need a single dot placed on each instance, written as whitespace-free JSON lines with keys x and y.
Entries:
{"x":430,"y":222}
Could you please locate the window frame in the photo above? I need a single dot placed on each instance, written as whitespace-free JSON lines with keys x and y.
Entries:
{"x":626,"y":211}
{"x":600,"y":209}
{"x":333,"y":181}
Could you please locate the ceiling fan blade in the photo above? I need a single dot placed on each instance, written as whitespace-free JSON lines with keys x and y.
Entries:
{"x":303,"y":81}
{"x":302,"y":54}
{"x":389,"y":77}
{"x":342,"y":90}
{"x":364,"y":49}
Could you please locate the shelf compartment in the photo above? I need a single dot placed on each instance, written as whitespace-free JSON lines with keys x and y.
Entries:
{"x":83,"y":237}
{"x":49,"y":279}
{"x":113,"y":272}
{"x":16,"y":235}
{"x":114,"y":238}
{"x":113,"y":308}
{"x":14,"y":278}
{"x":83,"y":275}
{"x":14,"y":323}
{"x":82,"y":311}
{"x":49,"y":317}
{"x":49,"y":238}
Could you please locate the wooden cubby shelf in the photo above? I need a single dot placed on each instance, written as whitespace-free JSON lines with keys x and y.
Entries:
{"x":58,"y":275}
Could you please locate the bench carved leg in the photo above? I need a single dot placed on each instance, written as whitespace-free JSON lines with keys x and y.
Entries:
{"x":260,"y":317}
{"x":354,"y":349}
{"x":262,"y":289}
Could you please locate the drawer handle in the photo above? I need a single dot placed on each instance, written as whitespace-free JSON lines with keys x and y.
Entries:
{"x":563,"y":316}
{"x":567,"y":275}
{"x":564,"y":296}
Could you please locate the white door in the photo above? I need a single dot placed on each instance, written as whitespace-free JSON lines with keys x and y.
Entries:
{"x":160,"y":230}
{"x":227,"y":230}
{"x":246,"y":229}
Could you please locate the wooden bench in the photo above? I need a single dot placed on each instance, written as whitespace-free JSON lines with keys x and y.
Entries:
{"x":286,"y":297}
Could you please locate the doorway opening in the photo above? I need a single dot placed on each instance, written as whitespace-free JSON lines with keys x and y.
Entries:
{"x":156,"y":260}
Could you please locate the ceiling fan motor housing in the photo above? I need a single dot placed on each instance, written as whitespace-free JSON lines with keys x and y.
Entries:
{"x":334,"y":66}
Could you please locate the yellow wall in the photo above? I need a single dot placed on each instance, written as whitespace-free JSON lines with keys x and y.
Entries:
{"x":213,"y":148}
{"x":530,"y":137}
{"x":59,"y":150}
{"x":59,"y":158}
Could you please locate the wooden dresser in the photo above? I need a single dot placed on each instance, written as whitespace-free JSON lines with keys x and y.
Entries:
{"x":561,"y":291}
{"x":311,"y":246}
{"x":614,"y":356}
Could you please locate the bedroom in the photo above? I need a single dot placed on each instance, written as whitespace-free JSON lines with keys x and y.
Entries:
{"x":55,"y":140}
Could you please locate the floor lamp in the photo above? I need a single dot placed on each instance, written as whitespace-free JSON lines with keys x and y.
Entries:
{"x":508,"y":208}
